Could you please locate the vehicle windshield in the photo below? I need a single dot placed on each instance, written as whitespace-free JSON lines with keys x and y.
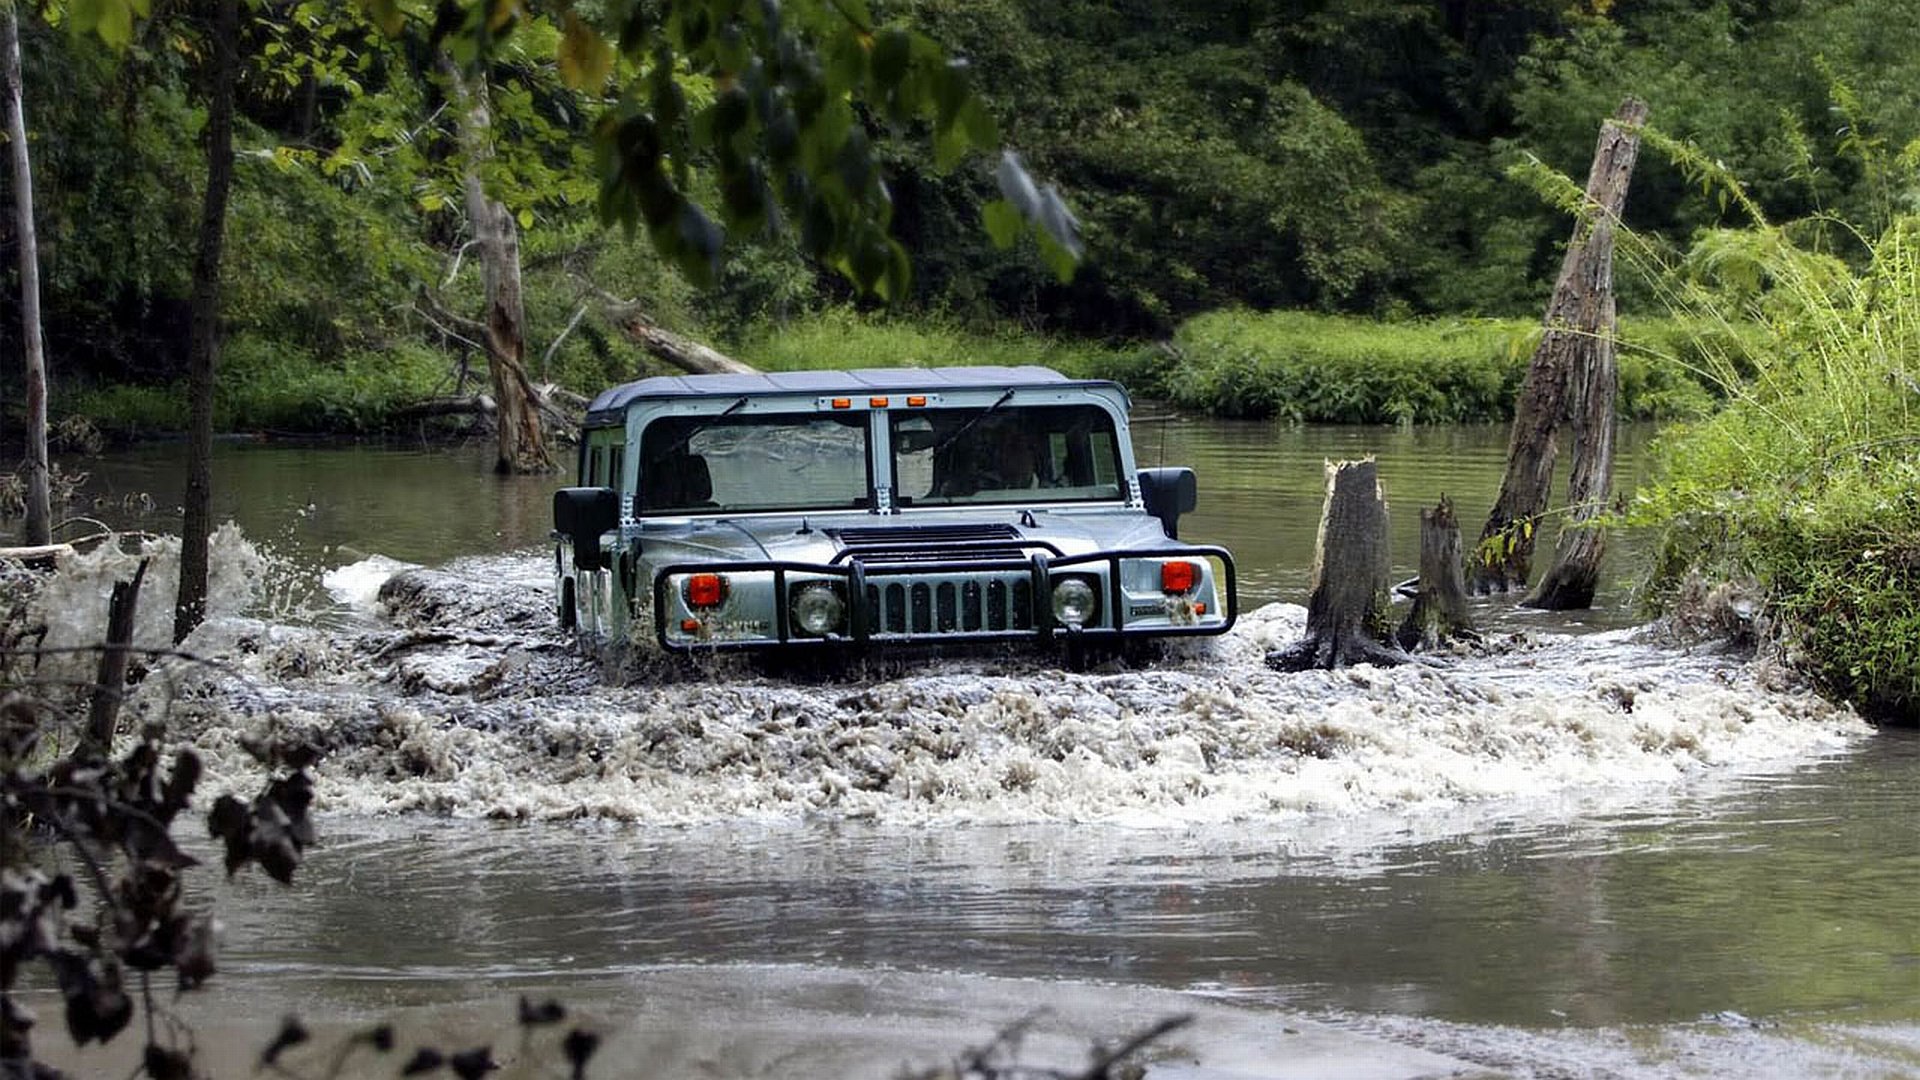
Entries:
{"x":1044,"y":453}
{"x":708,"y":464}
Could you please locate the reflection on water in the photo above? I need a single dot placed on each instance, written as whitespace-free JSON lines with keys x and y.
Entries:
{"x":1262,"y":484}
{"x":1772,"y":896}
{"x":326,"y":505}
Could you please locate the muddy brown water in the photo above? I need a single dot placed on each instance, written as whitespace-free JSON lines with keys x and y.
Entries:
{"x":1537,"y":883}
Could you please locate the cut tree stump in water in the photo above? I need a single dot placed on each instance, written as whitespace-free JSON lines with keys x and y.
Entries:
{"x":1350,"y":566}
{"x":110,"y":685}
{"x":1439,"y":612}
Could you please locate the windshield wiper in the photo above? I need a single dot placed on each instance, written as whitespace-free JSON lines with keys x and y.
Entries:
{"x":673,"y":448}
{"x":954,"y":435}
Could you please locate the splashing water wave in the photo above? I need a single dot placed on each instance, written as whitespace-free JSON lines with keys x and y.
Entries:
{"x":462,"y":699}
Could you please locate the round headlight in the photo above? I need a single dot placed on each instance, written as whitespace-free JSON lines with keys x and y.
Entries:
{"x":1074,"y":602}
{"x":818,"y":609}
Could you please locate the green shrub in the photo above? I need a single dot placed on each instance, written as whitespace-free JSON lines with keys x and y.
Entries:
{"x":273,"y":387}
{"x":1807,"y":481}
{"x":129,"y":411}
{"x":265,"y":386}
{"x":1308,"y":367}
{"x":842,"y":338}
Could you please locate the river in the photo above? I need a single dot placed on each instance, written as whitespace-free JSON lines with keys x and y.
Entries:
{"x":1590,"y":854}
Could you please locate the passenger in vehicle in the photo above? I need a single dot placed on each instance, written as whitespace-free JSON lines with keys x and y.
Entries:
{"x":1005,"y":459}
{"x":678,"y":481}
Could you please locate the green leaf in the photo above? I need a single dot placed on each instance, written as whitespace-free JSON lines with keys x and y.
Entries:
{"x":1002,"y":221}
{"x":699,"y":241}
{"x":525,"y":217}
{"x":950,"y":145}
{"x":893,"y":284}
{"x":891,"y":51}
{"x":584,"y":57}
{"x":979,"y":124}
{"x":386,"y":15}
{"x":1059,"y":258}
{"x":855,"y":12}
{"x":847,"y":61}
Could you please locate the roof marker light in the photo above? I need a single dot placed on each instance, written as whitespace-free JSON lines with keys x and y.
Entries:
{"x":916,"y":400}
{"x":876,"y":403}
{"x":842,"y":403}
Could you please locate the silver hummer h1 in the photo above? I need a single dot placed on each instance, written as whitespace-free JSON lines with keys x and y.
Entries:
{"x":862,"y":509}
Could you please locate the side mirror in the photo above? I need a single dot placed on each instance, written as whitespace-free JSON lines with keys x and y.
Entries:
{"x":583,"y":514}
{"x":1168,"y":493}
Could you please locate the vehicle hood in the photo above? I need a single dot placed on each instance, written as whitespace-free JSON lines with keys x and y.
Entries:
{"x":821,"y":538}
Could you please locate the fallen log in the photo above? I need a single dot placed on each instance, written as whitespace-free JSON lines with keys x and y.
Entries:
{"x":1347,"y":611}
{"x":452,"y":405}
{"x":1439,"y":612}
{"x":36,"y":556}
{"x":682,"y":352}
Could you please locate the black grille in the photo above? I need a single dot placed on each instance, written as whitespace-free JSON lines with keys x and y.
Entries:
{"x":922,"y":608}
{"x":916,"y":544}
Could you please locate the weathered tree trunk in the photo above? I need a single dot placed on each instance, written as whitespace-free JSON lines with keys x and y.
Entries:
{"x":682,"y":352}
{"x":1570,"y":582}
{"x":1579,"y":321}
{"x":109,"y":686}
{"x":39,"y":518}
{"x":1350,"y":566}
{"x":1439,"y":612}
{"x":521,"y":443}
{"x":203,"y":344}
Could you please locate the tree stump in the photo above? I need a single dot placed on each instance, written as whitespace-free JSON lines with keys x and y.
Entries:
{"x":1439,"y":612}
{"x":1575,"y":350}
{"x":110,"y":686}
{"x":1347,"y":610}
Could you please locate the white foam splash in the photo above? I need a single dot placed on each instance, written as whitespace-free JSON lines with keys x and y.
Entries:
{"x":72,"y":601}
{"x":491,"y":718}
{"x":357,"y":585}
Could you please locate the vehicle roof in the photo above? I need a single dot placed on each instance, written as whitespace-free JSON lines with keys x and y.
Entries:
{"x":611,"y":404}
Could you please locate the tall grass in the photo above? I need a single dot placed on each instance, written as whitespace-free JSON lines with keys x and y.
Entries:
{"x":841,"y":338}
{"x":1299,"y":366}
{"x":1309,"y":367}
{"x":1807,"y":481}
{"x":269,"y":387}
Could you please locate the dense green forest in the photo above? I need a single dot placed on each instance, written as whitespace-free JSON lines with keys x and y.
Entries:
{"x":1340,"y":157}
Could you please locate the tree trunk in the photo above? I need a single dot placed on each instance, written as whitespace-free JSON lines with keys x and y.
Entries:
{"x":203,"y":349}
{"x":1579,"y":319}
{"x":1569,"y":583}
{"x":521,"y":444}
{"x":39,"y":520}
{"x":684,"y":353}
{"x":1439,"y":612}
{"x":1350,"y":567}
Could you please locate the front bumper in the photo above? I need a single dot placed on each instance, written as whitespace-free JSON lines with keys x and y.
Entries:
{"x":960,"y":601}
